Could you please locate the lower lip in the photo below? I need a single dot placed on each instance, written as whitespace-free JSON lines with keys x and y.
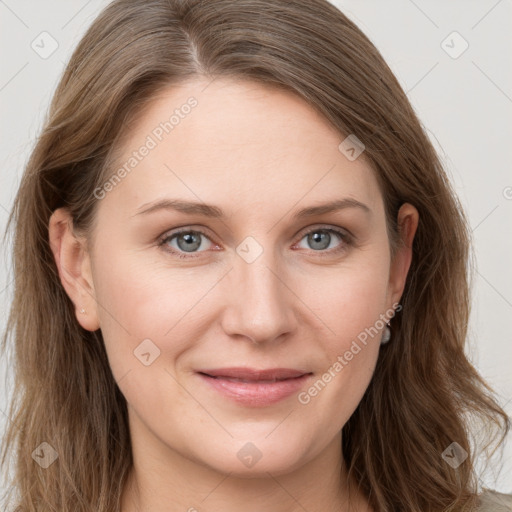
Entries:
{"x":256,"y":394}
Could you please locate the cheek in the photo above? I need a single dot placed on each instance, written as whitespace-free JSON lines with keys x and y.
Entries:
{"x":141,"y":299}
{"x":349,"y":299}
{"x":128,"y":309}
{"x":350,"y":305}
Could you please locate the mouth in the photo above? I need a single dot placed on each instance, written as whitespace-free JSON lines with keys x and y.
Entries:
{"x":255,"y":388}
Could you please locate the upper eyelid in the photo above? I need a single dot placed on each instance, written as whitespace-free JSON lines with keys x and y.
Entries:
{"x":327,"y":227}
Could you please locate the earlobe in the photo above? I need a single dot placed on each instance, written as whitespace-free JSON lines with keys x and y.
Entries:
{"x":407,"y":220}
{"x":72,"y":261}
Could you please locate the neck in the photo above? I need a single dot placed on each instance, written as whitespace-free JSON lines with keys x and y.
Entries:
{"x":164,"y":480}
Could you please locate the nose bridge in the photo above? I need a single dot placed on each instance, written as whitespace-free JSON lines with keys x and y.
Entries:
{"x":260,"y":304}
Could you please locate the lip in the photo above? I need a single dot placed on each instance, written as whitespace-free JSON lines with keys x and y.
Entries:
{"x":255,"y":388}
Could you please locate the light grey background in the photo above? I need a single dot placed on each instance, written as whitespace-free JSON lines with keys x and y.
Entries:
{"x":465,"y":104}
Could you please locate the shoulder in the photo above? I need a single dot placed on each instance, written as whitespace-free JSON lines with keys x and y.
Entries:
{"x":492,"y":501}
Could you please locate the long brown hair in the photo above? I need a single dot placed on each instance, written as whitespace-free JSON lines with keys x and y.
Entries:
{"x":424,"y":395}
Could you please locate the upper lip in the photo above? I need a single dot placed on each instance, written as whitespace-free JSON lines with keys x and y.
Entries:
{"x":254,"y":374}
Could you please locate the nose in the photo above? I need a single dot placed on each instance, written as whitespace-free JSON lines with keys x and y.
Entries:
{"x":260,"y":305}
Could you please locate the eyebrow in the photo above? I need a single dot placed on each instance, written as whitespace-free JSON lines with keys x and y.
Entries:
{"x":208,"y":210}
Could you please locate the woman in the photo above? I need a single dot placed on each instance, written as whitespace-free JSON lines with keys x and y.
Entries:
{"x":240,"y":277}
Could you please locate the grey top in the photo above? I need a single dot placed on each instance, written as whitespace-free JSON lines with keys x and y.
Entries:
{"x":492,"y":501}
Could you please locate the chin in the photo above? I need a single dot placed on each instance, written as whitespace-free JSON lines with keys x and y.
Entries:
{"x":256,"y":459}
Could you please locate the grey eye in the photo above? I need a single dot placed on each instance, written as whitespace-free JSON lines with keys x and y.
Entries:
{"x":187,"y":241}
{"x":320,"y":239}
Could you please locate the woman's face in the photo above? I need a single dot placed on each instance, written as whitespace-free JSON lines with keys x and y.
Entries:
{"x":244,"y":286}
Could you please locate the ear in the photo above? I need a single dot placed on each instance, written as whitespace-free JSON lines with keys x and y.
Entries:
{"x":73,"y":263}
{"x":407,"y":220}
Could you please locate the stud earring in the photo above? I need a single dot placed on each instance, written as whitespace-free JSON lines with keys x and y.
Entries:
{"x":82,"y":310}
{"x":386,"y":336}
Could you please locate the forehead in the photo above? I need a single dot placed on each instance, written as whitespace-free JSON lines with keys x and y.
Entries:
{"x":235,"y":142}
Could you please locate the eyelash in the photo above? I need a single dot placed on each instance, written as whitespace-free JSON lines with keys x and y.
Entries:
{"x":345,"y":238}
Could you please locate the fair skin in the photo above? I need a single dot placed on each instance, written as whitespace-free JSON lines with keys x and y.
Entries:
{"x":260,"y":155}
